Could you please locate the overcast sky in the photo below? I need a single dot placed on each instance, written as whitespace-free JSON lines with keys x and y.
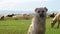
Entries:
{"x":29,"y":5}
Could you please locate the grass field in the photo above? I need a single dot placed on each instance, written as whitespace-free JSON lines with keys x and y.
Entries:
{"x":21,"y":27}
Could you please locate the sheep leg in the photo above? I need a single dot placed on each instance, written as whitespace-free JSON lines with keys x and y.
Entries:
{"x":58,"y":24}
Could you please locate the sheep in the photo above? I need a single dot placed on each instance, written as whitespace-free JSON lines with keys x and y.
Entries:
{"x":52,"y":15}
{"x":10,"y":15}
{"x":2,"y":18}
{"x":21,"y":17}
{"x":56,"y":19}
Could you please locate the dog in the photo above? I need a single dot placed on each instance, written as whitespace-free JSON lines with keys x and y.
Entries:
{"x":38,"y":21}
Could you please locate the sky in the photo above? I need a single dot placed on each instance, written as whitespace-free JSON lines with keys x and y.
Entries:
{"x":29,"y":5}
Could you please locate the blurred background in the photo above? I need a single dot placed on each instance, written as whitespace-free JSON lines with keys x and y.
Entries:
{"x":16,"y":15}
{"x":28,"y":6}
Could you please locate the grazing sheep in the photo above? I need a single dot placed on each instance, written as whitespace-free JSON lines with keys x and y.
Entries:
{"x":2,"y":18}
{"x":38,"y":21}
{"x":52,"y":15}
{"x":17,"y":17}
{"x":10,"y":15}
{"x":56,"y":19}
{"x":21,"y":17}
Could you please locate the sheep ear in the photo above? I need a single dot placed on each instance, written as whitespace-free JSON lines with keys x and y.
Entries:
{"x":45,"y":8}
{"x":36,"y":9}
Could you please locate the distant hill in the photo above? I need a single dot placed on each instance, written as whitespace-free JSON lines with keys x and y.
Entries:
{"x":15,"y":12}
{"x":21,"y":12}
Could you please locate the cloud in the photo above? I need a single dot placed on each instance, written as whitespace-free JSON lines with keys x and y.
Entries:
{"x":11,"y":4}
{"x":20,"y":1}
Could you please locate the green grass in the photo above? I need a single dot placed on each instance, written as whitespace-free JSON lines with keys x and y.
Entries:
{"x":50,"y":30}
{"x":21,"y":27}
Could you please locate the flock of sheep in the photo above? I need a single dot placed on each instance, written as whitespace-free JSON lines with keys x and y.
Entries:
{"x":22,"y":16}
{"x":16,"y":17}
{"x":55,"y":18}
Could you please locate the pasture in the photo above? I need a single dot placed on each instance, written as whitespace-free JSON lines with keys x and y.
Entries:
{"x":21,"y":27}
